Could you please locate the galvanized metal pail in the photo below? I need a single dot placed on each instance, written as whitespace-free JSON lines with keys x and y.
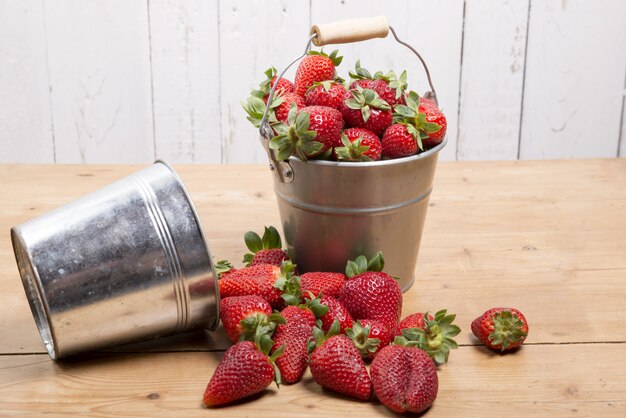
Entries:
{"x":126,"y":263}
{"x":332,"y":212}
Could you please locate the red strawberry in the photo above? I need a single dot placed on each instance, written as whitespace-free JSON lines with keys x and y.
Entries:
{"x":325,"y":93}
{"x":316,"y":66}
{"x":369,"y":337}
{"x":433,"y":115}
{"x":501,"y":328}
{"x":419,"y":123}
{"x":311,"y":131}
{"x":284,"y":85}
{"x":284,"y":102}
{"x":266,"y":250}
{"x":415,"y":320}
{"x":359,"y":145}
{"x":371,"y":294}
{"x":398,"y":142}
{"x":265,"y":280}
{"x":434,"y":334}
{"x":324,"y":283}
{"x":295,"y":335}
{"x":404,"y":378}
{"x":363,"y":108}
{"x":242,"y":313}
{"x":389,"y":87}
{"x":244,"y":370}
{"x":336,"y":312}
{"x":336,"y":364}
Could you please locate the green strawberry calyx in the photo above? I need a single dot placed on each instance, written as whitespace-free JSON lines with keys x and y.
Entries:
{"x":334,"y":56}
{"x":360,"y":73}
{"x":295,"y":138}
{"x":364,"y":100}
{"x":251,"y":324}
{"x":223,"y":266}
{"x":415,"y":121}
{"x":255,"y":108}
{"x":507,"y":329}
{"x":436,"y":338}
{"x":266,"y":85}
{"x":270,"y":240}
{"x":319,"y":337}
{"x":352,"y":151}
{"x":326,"y":84}
{"x":360,"y":335}
{"x":361,"y":264}
{"x":263,"y":340}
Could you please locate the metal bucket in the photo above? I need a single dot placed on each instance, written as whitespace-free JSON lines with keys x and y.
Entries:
{"x":332,"y":212}
{"x":126,"y":263}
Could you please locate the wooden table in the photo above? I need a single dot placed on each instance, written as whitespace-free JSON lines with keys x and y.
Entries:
{"x":546,"y":237}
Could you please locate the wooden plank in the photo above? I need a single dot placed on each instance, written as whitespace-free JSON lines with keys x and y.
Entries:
{"x":100,"y":80}
{"x":622,"y":146}
{"x":494,"y":44}
{"x":25,"y":123}
{"x":433,"y":27}
{"x":254,"y":36}
{"x":558,"y":380}
{"x":185,"y":78}
{"x":566,"y":74}
{"x":492,"y":237}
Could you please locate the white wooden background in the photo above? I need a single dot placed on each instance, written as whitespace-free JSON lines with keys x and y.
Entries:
{"x":127,"y":81}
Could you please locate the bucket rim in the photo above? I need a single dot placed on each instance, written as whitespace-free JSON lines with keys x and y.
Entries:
{"x":213,"y":325}
{"x":394,"y":161}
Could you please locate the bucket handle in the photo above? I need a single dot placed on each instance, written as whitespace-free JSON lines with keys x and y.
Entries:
{"x":340,"y":32}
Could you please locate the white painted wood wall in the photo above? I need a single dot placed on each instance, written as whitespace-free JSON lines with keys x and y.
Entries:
{"x":119,"y":81}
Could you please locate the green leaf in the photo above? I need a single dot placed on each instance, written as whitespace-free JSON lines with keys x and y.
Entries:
{"x":352,"y":269}
{"x":376,"y":263}
{"x":271,"y":238}
{"x":365,"y":113}
{"x":361,"y":262}
{"x":247,"y":259}
{"x":253,"y":241}
{"x":431,"y":127}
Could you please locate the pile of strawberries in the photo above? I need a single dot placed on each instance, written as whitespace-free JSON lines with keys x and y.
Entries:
{"x":335,"y":323}
{"x":320,"y":116}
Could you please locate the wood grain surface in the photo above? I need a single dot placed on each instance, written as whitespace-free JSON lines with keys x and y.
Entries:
{"x":544,"y":236}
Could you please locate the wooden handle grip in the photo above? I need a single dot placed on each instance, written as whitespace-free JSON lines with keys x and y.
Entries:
{"x":353,"y":30}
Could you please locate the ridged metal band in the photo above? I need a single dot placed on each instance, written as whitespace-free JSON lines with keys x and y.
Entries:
{"x":169,"y":247}
{"x":351,"y":211}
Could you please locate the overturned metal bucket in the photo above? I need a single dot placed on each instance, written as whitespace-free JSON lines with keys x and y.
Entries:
{"x":332,"y":212}
{"x":126,"y":263}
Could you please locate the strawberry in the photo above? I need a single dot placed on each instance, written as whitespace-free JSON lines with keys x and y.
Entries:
{"x":369,"y":337}
{"x":404,"y":377}
{"x":242,"y":314}
{"x":433,"y":115}
{"x":415,"y":320}
{"x":284,"y":85}
{"x":244,"y":370}
{"x":325,"y":93}
{"x":336,"y":312}
{"x":389,"y":87}
{"x":316,"y":66}
{"x":311,"y":131}
{"x":434,"y":334}
{"x":336,"y":364}
{"x":285,"y":101}
{"x":266,"y":250}
{"x":371,"y":294}
{"x":265,"y":280}
{"x":501,"y":328}
{"x":295,"y":335}
{"x":416,"y":124}
{"x":359,"y":145}
{"x":322,"y":283}
{"x":398,"y":142}
{"x":363,"y":108}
